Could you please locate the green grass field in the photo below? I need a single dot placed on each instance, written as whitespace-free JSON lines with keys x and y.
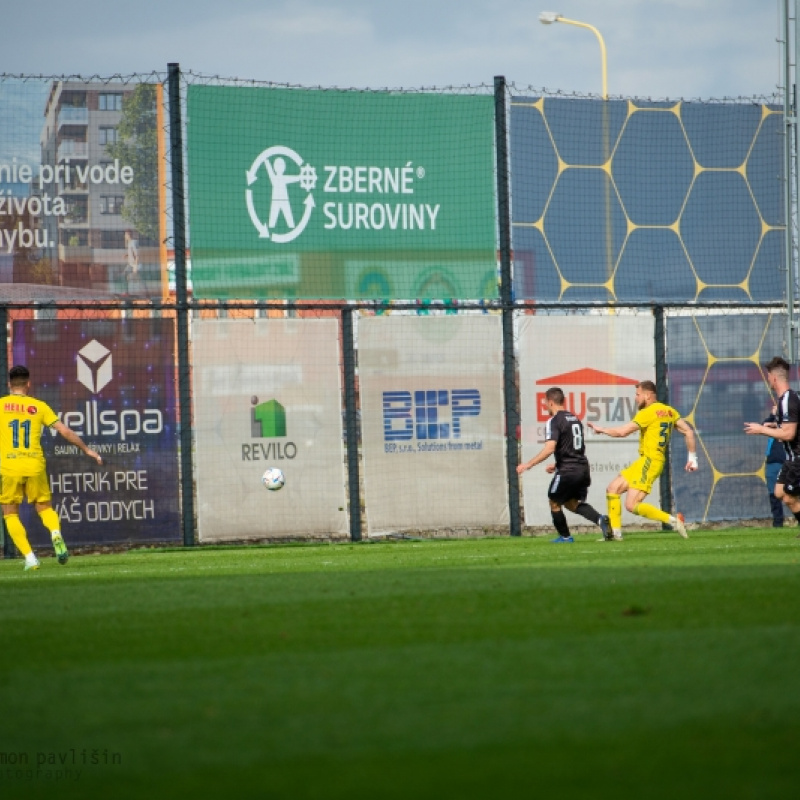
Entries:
{"x":499,"y":668}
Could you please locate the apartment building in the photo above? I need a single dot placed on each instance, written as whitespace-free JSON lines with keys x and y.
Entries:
{"x":91,"y":244}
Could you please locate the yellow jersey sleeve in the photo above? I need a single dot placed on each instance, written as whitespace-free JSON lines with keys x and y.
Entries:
{"x":655,"y":429}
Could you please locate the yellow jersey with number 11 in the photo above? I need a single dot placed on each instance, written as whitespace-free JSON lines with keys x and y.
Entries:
{"x":655,"y":422}
{"x":22,"y":419}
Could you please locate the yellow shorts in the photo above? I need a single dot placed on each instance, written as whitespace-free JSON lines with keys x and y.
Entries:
{"x":643,"y":473}
{"x":35,"y":487}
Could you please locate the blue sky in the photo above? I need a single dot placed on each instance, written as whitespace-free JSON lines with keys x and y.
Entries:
{"x":656,"y":48}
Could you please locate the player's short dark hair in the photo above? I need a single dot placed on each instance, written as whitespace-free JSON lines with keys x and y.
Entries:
{"x":779,"y":364}
{"x":647,"y":386}
{"x":19,"y":375}
{"x":555,"y":395}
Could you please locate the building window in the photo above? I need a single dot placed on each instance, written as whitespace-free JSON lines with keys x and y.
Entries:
{"x":73,"y":99}
{"x":108,"y":135}
{"x":111,"y":204}
{"x":111,"y":102}
{"x":74,"y":183}
{"x":112,"y":240}
{"x":77,"y":210}
{"x":74,"y":238}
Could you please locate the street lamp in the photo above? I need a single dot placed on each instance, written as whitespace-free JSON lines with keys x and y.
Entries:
{"x":549,"y":17}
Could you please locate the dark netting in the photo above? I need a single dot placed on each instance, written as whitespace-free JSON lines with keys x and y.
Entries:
{"x":716,"y":380}
{"x":634,"y":201}
{"x":333,"y":304}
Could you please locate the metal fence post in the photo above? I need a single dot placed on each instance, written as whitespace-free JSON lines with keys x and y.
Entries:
{"x":507,"y":299}
{"x":182,"y":310}
{"x":790,"y":170}
{"x":662,"y":392}
{"x":9,"y":551}
{"x":351,"y":423}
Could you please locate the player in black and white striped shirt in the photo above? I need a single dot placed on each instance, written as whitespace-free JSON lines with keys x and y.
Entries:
{"x":571,"y":473}
{"x":786,"y":430}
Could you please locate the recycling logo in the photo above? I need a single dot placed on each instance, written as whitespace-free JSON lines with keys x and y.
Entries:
{"x":282,"y":167}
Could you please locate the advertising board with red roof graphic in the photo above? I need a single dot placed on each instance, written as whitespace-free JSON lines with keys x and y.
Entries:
{"x":597,"y":362}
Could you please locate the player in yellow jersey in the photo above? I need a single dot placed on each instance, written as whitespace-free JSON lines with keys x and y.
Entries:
{"x":23,"y":471}
{"x":655,"y":422}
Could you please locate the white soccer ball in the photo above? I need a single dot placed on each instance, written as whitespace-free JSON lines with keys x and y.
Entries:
{"x":273,"y":479}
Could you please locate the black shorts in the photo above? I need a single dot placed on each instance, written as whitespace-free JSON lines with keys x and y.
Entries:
{"x":789,"y":476}
{"x":567,"y":486}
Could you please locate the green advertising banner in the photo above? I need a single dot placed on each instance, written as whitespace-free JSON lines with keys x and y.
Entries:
{"x":314,"y":194}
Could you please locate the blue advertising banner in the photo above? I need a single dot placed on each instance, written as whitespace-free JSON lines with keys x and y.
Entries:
{"x":113,"y":383}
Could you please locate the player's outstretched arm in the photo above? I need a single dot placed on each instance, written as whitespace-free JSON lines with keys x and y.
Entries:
{"x":686,"y":429}
{"x":619,"y":432}
{"x":548,"y":450}
{"x":785,"y":433}
{"x":73,"y":438}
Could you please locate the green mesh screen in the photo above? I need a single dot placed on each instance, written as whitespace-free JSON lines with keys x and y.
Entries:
{"x":341,"y":194}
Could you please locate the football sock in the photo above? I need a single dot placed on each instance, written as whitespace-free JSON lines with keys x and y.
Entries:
{"x":797,"y":515}
{"x":560,"y":522}
{"x":16,"y":531}
{"x":588,"y":512}
{"x":614,"y":511}
{"x":651,"y":512}
{"x":50,"y":520}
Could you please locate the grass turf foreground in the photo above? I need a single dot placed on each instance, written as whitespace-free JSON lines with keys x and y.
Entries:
{"x":502,"y":668}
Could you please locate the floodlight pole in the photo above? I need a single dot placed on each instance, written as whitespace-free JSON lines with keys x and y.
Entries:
{"x":793,"y":142}
{"x":549,"y":17}
{"x":791,"y":51}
